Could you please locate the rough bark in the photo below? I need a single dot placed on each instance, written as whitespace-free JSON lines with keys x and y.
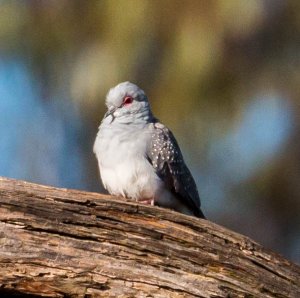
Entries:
{"x":67,"y":243}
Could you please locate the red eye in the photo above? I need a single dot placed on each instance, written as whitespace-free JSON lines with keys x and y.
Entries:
{"x":127,"y":100}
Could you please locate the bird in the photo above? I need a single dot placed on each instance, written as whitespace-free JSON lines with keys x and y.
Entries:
{"x":139,"y":157}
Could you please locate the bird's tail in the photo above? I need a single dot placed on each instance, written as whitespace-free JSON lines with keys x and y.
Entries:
{"x":200,"y":214}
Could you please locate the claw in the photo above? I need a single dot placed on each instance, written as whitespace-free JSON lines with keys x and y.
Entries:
{"x":147,"y":202}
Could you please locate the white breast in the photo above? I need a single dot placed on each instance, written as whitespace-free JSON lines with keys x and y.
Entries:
{"x":123,"y":166}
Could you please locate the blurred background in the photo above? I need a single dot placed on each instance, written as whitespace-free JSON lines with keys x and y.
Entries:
{"x":224,"y":75}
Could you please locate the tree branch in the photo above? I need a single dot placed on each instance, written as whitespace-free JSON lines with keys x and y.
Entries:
{"x":61,"y":243}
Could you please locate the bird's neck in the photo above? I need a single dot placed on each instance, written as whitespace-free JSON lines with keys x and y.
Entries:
{"x":141,"y":118}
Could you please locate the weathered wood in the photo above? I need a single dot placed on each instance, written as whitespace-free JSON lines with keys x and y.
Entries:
{"x":60,"y":242}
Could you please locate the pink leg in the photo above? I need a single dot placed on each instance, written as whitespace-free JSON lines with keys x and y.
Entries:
{"x":147,"y":202}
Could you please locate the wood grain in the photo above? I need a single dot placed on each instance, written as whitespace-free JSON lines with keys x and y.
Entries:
{"x":68,"y":243}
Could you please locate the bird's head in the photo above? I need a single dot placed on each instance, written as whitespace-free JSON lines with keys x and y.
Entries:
{"x":126,"y":102}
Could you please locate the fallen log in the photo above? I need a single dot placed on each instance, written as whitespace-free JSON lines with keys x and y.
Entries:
{"x":68,"y":243}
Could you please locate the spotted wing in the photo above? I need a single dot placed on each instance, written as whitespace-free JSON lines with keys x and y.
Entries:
{"x":166,"y":157}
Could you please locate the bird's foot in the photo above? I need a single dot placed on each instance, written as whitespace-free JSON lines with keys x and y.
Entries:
{"x":147,"y":202}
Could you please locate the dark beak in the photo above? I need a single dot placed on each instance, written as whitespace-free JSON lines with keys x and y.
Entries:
{"x":110,"y":112}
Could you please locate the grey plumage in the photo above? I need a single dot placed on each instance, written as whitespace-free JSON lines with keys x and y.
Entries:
{"x":166,"y":158}
{"x":139,"y":157}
